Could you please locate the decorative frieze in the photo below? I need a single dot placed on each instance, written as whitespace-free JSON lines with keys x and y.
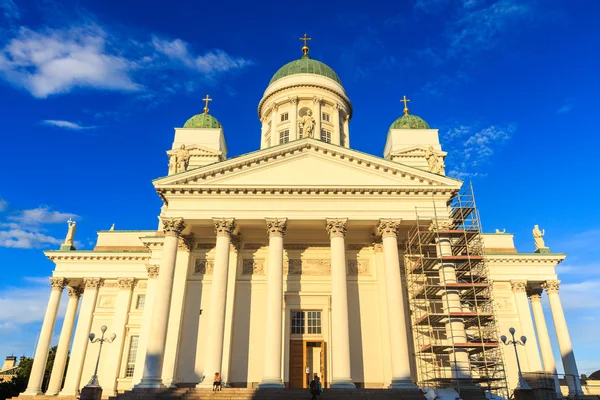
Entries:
{"x":314,"y":267}
{"x":358,"y":268}
{"x":58,"y":283}
{"x":106,"y":302}
{"x":172,"y":226}
{"x":204,"y":267}
{"x":276,"y":226}
{"x":224,"y":226}
{"x":551,"y":286}
{"x":126,"y":283}
{"x":336,"y":227}
{"x":92,"y":283}
{"x":518,"y":286}
{"x":253,"y":267}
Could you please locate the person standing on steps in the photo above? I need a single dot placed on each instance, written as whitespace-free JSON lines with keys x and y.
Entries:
{"x":217,"y":382}
{"x":319,"y":386}
{"x":314,"y":387}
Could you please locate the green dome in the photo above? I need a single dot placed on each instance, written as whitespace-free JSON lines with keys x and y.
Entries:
{"x":203,"y":120}
{"x":305,"y":65}
{"x":408,"y":121}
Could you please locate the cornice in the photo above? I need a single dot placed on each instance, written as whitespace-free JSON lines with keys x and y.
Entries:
{"x":531,"y":258}
{"x":303,"y":85}
{"x":81,"y":255}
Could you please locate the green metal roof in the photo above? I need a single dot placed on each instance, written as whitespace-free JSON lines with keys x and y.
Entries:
{"x":409,"y":121}
{"x":305,"y":65}
{"x":203,"y":120}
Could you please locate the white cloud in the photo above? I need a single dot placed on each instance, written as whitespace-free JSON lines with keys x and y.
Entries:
{"x":27,"y":229}
{"x":210,"y":64}
{"x":471,"y":146}
{"x":566,"y":108}
{"x":56,"y":61}
{"x":3,"y":204}
{"x":580,"y":295}
{"x":66,"y":124}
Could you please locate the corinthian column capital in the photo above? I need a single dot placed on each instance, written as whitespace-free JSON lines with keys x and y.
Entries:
{"x":224,"y":226}
{"x":186,"y":243}
{"x":173,"y":226}
{"x":518,"y":285}
{"x":336,"y":227}
{"x":535,"y":294}
{"x":126,"y":283}
{"x":58,"y":283}
{"x":551,"y":286}
{"x":152,"y":270}
{"x":276,"y":226}
{"x":74,"y":291}
{"x":388,"y":227}
{"x":92,"y":283}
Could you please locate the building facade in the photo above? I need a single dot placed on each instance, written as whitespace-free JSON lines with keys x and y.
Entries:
{"x":304,"y":257}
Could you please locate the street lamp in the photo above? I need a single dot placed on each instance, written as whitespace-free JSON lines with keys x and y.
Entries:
{"x":94,"y":339}
{"x":522,"y":384}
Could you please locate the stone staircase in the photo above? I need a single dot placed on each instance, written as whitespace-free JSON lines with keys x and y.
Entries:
{"x":269,"y":394}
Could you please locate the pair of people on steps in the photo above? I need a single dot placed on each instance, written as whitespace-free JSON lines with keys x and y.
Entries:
{"x":217,"y":382}
{"x":316,"y":388}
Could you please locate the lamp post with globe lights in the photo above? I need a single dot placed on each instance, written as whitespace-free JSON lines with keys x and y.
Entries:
{"x":522,"y":384}
{"x":93,"y":391}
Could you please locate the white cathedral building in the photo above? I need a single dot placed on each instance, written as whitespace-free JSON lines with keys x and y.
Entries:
{"x":305,"y":257}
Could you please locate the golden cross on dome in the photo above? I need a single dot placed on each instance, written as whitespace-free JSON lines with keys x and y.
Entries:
{"x":206,"y":99}
{"x":405,"y":100}
{"x":305,"y":47}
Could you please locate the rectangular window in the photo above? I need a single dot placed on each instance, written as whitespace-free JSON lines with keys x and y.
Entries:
{"x":306,"y":322}
{"x":284,"y":117}
{"x":297,"y":322}
{"x":325,"y":117}
{"x":284,"y":136}
{"x":325,"y":136}
{"x":133,"y":346}
{"x":140,"y":302}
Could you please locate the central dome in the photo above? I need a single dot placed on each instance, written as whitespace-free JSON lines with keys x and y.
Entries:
{"x":305,"y":65}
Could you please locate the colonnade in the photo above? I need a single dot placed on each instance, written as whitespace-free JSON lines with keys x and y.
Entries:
{"x":522,"y":291}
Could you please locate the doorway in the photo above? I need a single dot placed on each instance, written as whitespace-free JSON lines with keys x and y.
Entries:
{"x":307,"y":358}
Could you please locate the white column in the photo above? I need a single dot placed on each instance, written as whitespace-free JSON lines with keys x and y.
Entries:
{"x":294,"y":134}
{"x":455,"y":327}
{"x":186,"y":246}
{"x":151,"y":284}
{"x":519,"y":288}
{"x":318,"y":116}
{"x":337,"y":134}
{"x":115,"y":350}
{"x":80,"y":340}
{"x":34,"y":386}
{"x":535,"y":296}
{"x":398,"y":334}
{"x":274,"y":132}
{"x":152,"y":375}
{"x":218,"y":295}
{"x":340,"y":333}
{"x":273,"y":330}
{"x":347,"y":130}
{"x":64,"y":341}
{"x":564,"y":340}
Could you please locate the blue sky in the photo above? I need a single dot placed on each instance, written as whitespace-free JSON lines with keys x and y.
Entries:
{"x":90,"y":92}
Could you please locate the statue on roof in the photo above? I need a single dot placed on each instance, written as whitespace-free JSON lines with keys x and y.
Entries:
{"x":307,"y":124}
{"x":538,"y":238}
{"x":434,"y":161}
{"x":71,"y":232}
{"x":179,"y":160}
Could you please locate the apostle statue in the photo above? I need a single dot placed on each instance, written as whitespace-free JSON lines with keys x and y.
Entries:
{"x":434,"y":161}
{"x":307,"y":123}
{"x":71,"y":232}
{"x":181,"y":159}
{"x":538,"y":238}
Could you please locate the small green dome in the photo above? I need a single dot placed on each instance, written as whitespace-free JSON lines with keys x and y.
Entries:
{"x":408,"y":121}
{"x":203,"y":120}
{"x":305,"y":65}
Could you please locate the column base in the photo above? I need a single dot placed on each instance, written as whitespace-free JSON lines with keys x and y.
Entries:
{"x":34,"y":392}
{"x":150,"y":383}
{"x":206,"y":384}
{"x":271,"y":383}
{"x":402,"y":384}
{"x":343,"y":383}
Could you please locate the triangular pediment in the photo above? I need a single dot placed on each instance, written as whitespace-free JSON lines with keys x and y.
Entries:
{"x":417,"y":150}
{"x":306,"y":163}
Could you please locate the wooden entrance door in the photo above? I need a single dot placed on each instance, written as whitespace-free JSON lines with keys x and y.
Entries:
{"x":297,"y":376}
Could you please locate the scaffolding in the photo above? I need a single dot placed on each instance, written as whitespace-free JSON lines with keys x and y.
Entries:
{"x":452,"y":316}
